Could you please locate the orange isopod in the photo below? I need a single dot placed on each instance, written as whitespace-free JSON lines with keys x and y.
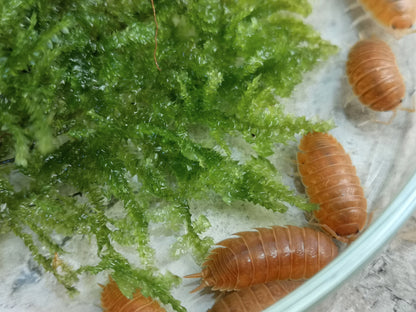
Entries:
{"x":255,"y":298}
{"x":331,"y":181}
{"x":396,"y":15}
{"x":112,"y":300}
{"x":264,"y":255}
{"x":374,"y":75}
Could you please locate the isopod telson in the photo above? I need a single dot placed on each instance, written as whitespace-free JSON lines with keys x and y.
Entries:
{"x":396,"y":15}
{"x":264,"y":255}
{"x":374,"y":75}
{"x":331,"y":181}
{"x":255,"y":298}
{"x":112,"y":300}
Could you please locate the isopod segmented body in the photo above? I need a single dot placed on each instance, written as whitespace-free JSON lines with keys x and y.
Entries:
{"x":397,"y":15}
{"x":331,"y":181}
{"x":255,"y":298}
{"x":112,"y":300}
{"x":264,"y":255}
{"x":374,"y":75}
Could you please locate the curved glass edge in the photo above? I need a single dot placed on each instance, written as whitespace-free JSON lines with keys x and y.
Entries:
{"x":355,"y":256}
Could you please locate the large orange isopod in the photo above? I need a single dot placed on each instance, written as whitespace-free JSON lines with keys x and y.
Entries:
{"x":331,"y":181}
{"x":264,"y":255}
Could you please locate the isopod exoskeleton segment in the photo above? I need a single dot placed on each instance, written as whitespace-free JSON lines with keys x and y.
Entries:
{"x":112,"y":300}
{"x":331,"y":182}
{"x":264,"y":255}
{"x":255,"y":298}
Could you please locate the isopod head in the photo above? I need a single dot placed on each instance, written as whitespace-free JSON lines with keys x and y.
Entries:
{"x":402,"y":22}
{"x":397,"y":16}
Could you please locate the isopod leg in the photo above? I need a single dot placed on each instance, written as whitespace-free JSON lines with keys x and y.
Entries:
{"x":359,"y":20}
{"x":388,"y":121}
{"x":310,"y":218}
{"x":332,"y":233}
{"x":363,"y":123}
{"x":349,"y":100}
{"x":203,"y":283}
{"x":411,"y":109}
{"x":352,"y":6}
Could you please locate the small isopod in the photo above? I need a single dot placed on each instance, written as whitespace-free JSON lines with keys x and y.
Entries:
{"x":395,"y":15}
{"x":373,"y":73}
{"x":112,"y":300}
{"x":331,"y":181}
{"x":264,"y":255}
{"x":255,"y":298}
{"x":375,"y":77}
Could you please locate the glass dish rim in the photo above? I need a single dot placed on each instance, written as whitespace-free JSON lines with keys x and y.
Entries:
{"x":361,"y":251}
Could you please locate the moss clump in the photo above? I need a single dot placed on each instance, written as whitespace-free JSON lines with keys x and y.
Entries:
{"x":83,"y":106}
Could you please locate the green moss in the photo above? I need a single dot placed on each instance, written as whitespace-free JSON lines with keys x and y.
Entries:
{"x":84,"y":106}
